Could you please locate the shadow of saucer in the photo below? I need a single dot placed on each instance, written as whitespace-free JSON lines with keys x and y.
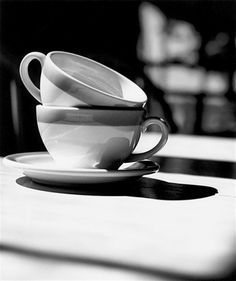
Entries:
{"x":144,"y":187}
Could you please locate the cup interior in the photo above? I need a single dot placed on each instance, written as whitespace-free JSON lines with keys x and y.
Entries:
{"x":98,"y":77}
{"x":88,"y":72}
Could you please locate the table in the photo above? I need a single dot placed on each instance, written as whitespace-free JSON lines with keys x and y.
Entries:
{"x":176,"y":224}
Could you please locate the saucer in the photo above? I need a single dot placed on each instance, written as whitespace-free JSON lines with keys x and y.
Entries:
{"x":40,"y":167}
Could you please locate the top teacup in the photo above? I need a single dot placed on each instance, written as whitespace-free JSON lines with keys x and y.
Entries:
{"x":72,"y":80}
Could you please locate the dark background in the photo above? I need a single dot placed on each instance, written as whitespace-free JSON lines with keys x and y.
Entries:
{"x":104,"y":30}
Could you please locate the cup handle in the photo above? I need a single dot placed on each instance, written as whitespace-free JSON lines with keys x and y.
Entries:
{"x":164,"y":130}
{"x":24,"y":73}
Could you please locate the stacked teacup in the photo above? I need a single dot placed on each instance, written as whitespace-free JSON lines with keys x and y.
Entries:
{"x":91,"y":116}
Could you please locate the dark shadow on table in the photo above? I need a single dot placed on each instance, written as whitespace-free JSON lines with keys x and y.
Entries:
{"x":144,"y":187}
{"x":203,"y":167}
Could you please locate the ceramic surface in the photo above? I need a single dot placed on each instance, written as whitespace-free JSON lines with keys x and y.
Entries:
{"x":40,"y":167}
{"x":95,"y":138}
{"x":72,"y":80}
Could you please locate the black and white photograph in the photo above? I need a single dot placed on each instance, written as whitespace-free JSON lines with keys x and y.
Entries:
{"x":118,"y":140}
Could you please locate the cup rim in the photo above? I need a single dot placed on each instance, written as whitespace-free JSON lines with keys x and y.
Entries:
{"x":141,"y":92}
{"x":87,"y":107}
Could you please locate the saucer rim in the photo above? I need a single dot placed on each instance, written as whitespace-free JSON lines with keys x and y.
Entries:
{"x":12,"y":160}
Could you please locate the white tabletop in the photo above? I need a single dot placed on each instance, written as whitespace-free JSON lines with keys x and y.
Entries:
{"x":56,"y":236}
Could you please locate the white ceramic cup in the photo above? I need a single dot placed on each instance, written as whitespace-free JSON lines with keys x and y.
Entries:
{"x":95,"y":137}
{"x":72,"y":80}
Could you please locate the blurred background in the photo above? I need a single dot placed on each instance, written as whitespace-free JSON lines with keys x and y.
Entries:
{"x":182,"y":53}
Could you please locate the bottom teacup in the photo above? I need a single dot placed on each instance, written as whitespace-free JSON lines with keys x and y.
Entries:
{"x":101,"y":138}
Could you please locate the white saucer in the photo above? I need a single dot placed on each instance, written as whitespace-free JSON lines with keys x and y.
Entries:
{"x":41,"y":168}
